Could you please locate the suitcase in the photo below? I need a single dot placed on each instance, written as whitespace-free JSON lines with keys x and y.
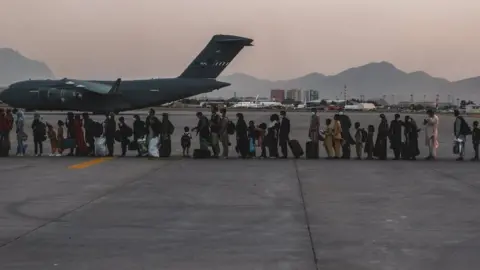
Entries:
{"x":68,"y":144}
{"x":312,"y":150}
{"x":199,"y":153}
{"x":296,"y":148}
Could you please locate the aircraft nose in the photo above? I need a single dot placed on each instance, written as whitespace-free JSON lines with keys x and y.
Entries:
{"x":6,"y":96}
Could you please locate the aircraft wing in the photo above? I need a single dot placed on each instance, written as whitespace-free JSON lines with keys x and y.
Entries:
{"x":99,"y":88}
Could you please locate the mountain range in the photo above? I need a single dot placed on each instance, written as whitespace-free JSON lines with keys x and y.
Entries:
{"x":16,"y":67}
{"x":372,"y":80}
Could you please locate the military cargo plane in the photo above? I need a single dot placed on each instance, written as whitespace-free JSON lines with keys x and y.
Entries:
{"x":116,"y":96}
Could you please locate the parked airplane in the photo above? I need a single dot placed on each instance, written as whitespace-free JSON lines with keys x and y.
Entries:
{"x":115,"y":96}
{"x":258,"y":104}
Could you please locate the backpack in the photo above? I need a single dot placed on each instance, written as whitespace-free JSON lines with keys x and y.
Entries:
{"x":128,"y":131}
{"x":230,"y":127}
{"x":465,"y":128}
{"x":185,"y":140}
{"x":364,"y":135}
{"x":41,"y":128}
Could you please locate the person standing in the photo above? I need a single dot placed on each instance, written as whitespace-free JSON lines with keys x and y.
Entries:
{"x":461,"y":131}
{"x":125,"y":132}
{"x":139,"y":131}
{"x":475,"y":139}
{"x":314,"y":132}
{"x":337,"y":136}
{"x":346,"y":124}
{"x":21,"y":135}
{"x":360,"y":138}
{"x":202,"y":130}
{"x":4,"y":144}
{"x":241,"y":129}
{"x":328,"y":139}
{"x":272,"y":136}
{"x":382,"y":136}
{"x":69,"y":123}
{"x":431,"y":134}
{"x":395,"y":135}
{"x":284,"y":133}
{"x":39,"y":134}
{"x":224,"y":136}
{"x":89,"y":138}
{"x":410,"y":130}
{"x":215,"y":126}
{"x":110,"y":126}
{"x":166,"y":132}
{"x":82,"y":148}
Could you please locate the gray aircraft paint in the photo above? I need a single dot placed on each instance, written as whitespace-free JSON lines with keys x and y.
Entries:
{"x":198,"y":78}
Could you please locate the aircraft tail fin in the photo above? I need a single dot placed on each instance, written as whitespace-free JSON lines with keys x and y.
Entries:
{"x":216,"y":56}
{"x":115,"y":87}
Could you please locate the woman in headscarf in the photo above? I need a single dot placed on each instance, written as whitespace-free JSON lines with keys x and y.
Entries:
{"x":411,"y":139}
{"x":21,"y":135}
{"x":82,"y":149}
{"x":166,"y":132}
{"x":382,"y":136}
{"x":241,"y":131}
{"x":69,"y":123}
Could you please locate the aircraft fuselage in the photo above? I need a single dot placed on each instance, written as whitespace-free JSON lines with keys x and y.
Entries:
{"x":134,"y":94}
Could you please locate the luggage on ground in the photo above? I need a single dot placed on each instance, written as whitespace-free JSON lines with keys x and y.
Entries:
{"x":133,"y":146}
{"x":69,"y":143}
{"x":200,"y":153}
{"x":457,"y":146}
{"x":296,"y":148}
{"x":142,"y":146}
{"x":311,"y":150}
{"x":153,"y":147}
{"x":100,"y":145}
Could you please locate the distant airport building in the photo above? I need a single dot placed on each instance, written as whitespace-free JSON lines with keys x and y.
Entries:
{"x":294,"y":94}
{"x":277,"y":95}
{"x":310,"y":95}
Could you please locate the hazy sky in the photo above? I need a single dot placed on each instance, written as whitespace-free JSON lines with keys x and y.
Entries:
{"x":158,"y":38}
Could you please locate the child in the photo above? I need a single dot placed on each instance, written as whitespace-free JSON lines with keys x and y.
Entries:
{"x":475,"y":139}
{"x":186,"y":141}
{"x":360,"y":138}
{"x":60,"y":137}
{"x":262,"y":129}
{"x":252,"y":136}
{"x":369,"y":142}
{"x":52,"y":136}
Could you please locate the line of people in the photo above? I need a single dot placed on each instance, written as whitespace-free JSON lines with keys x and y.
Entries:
{"x":83,"y":136}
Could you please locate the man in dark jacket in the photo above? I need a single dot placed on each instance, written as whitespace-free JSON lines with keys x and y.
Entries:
{"x":203,"y":130}
{"x":139,"y":131}
{"x":284,"y":133}
{"x":70,"y":130}
{"x":125,"y":132}
{"x":395,"y":135}
{"x":89,"y":138}
{"x":110,"y":128}
{"x":461,"y":130}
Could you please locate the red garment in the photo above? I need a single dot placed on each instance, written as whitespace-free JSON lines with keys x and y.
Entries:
{"x":79,"y":138}
{"x":9,"y":121}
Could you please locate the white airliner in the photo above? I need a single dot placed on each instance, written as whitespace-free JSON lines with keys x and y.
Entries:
{"x":258,"y":104}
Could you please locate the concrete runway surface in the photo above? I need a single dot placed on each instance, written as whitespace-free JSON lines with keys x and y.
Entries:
{"x":135,"y":213}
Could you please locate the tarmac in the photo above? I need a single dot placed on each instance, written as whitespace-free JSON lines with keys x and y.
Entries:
{"x":179,"y":213}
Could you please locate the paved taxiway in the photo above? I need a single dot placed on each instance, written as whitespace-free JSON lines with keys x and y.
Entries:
{"x":131,"y":213}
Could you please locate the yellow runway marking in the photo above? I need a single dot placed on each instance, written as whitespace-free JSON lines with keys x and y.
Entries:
{"x":89,"y":163}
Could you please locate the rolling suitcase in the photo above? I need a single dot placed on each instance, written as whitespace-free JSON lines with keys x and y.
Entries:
{"x":312,"y":150}
{"x":296,"y":148}
{"x":199,"y":153}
